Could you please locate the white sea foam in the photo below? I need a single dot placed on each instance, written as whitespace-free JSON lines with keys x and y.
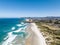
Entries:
{"x":18,"y":25}
{"x":13,"y":28}
{"x":5,"y":38}
{"x":18,"y":30}
{"x":11,"y":37}
{"x":21,"y":29}
{"x":25,"y":27}
{"x":22,"y":23}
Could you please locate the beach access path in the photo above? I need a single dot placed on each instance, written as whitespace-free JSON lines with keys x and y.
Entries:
{"x":35,"y":38}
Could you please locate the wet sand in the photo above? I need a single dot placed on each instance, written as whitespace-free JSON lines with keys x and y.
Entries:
{"x":34,"y":37}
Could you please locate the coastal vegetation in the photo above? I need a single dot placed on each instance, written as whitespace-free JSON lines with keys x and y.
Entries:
{"x":50,"y":30}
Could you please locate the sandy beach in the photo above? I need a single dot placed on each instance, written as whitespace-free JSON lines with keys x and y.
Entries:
{"x":35,"y":37}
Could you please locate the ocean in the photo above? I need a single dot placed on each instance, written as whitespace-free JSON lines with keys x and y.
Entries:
{"x":11,"y":29}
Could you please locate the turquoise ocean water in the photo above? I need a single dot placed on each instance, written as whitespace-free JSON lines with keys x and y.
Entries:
{"x":10,"y":28}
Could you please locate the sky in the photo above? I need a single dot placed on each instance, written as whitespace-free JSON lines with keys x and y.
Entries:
{"x":29,"y":8}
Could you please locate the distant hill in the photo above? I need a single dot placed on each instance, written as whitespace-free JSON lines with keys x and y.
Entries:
{"x":43,"y":18}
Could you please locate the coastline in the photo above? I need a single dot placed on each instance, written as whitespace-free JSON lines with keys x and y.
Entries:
{"x":15,"y":39}
{"x":36,"y":37}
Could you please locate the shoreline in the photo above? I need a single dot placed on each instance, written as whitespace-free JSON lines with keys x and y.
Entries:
{"x":36,"y":37}
{"x":14,"y":38}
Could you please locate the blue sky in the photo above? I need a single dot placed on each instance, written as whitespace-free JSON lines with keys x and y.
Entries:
{"x":29,"y":8}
